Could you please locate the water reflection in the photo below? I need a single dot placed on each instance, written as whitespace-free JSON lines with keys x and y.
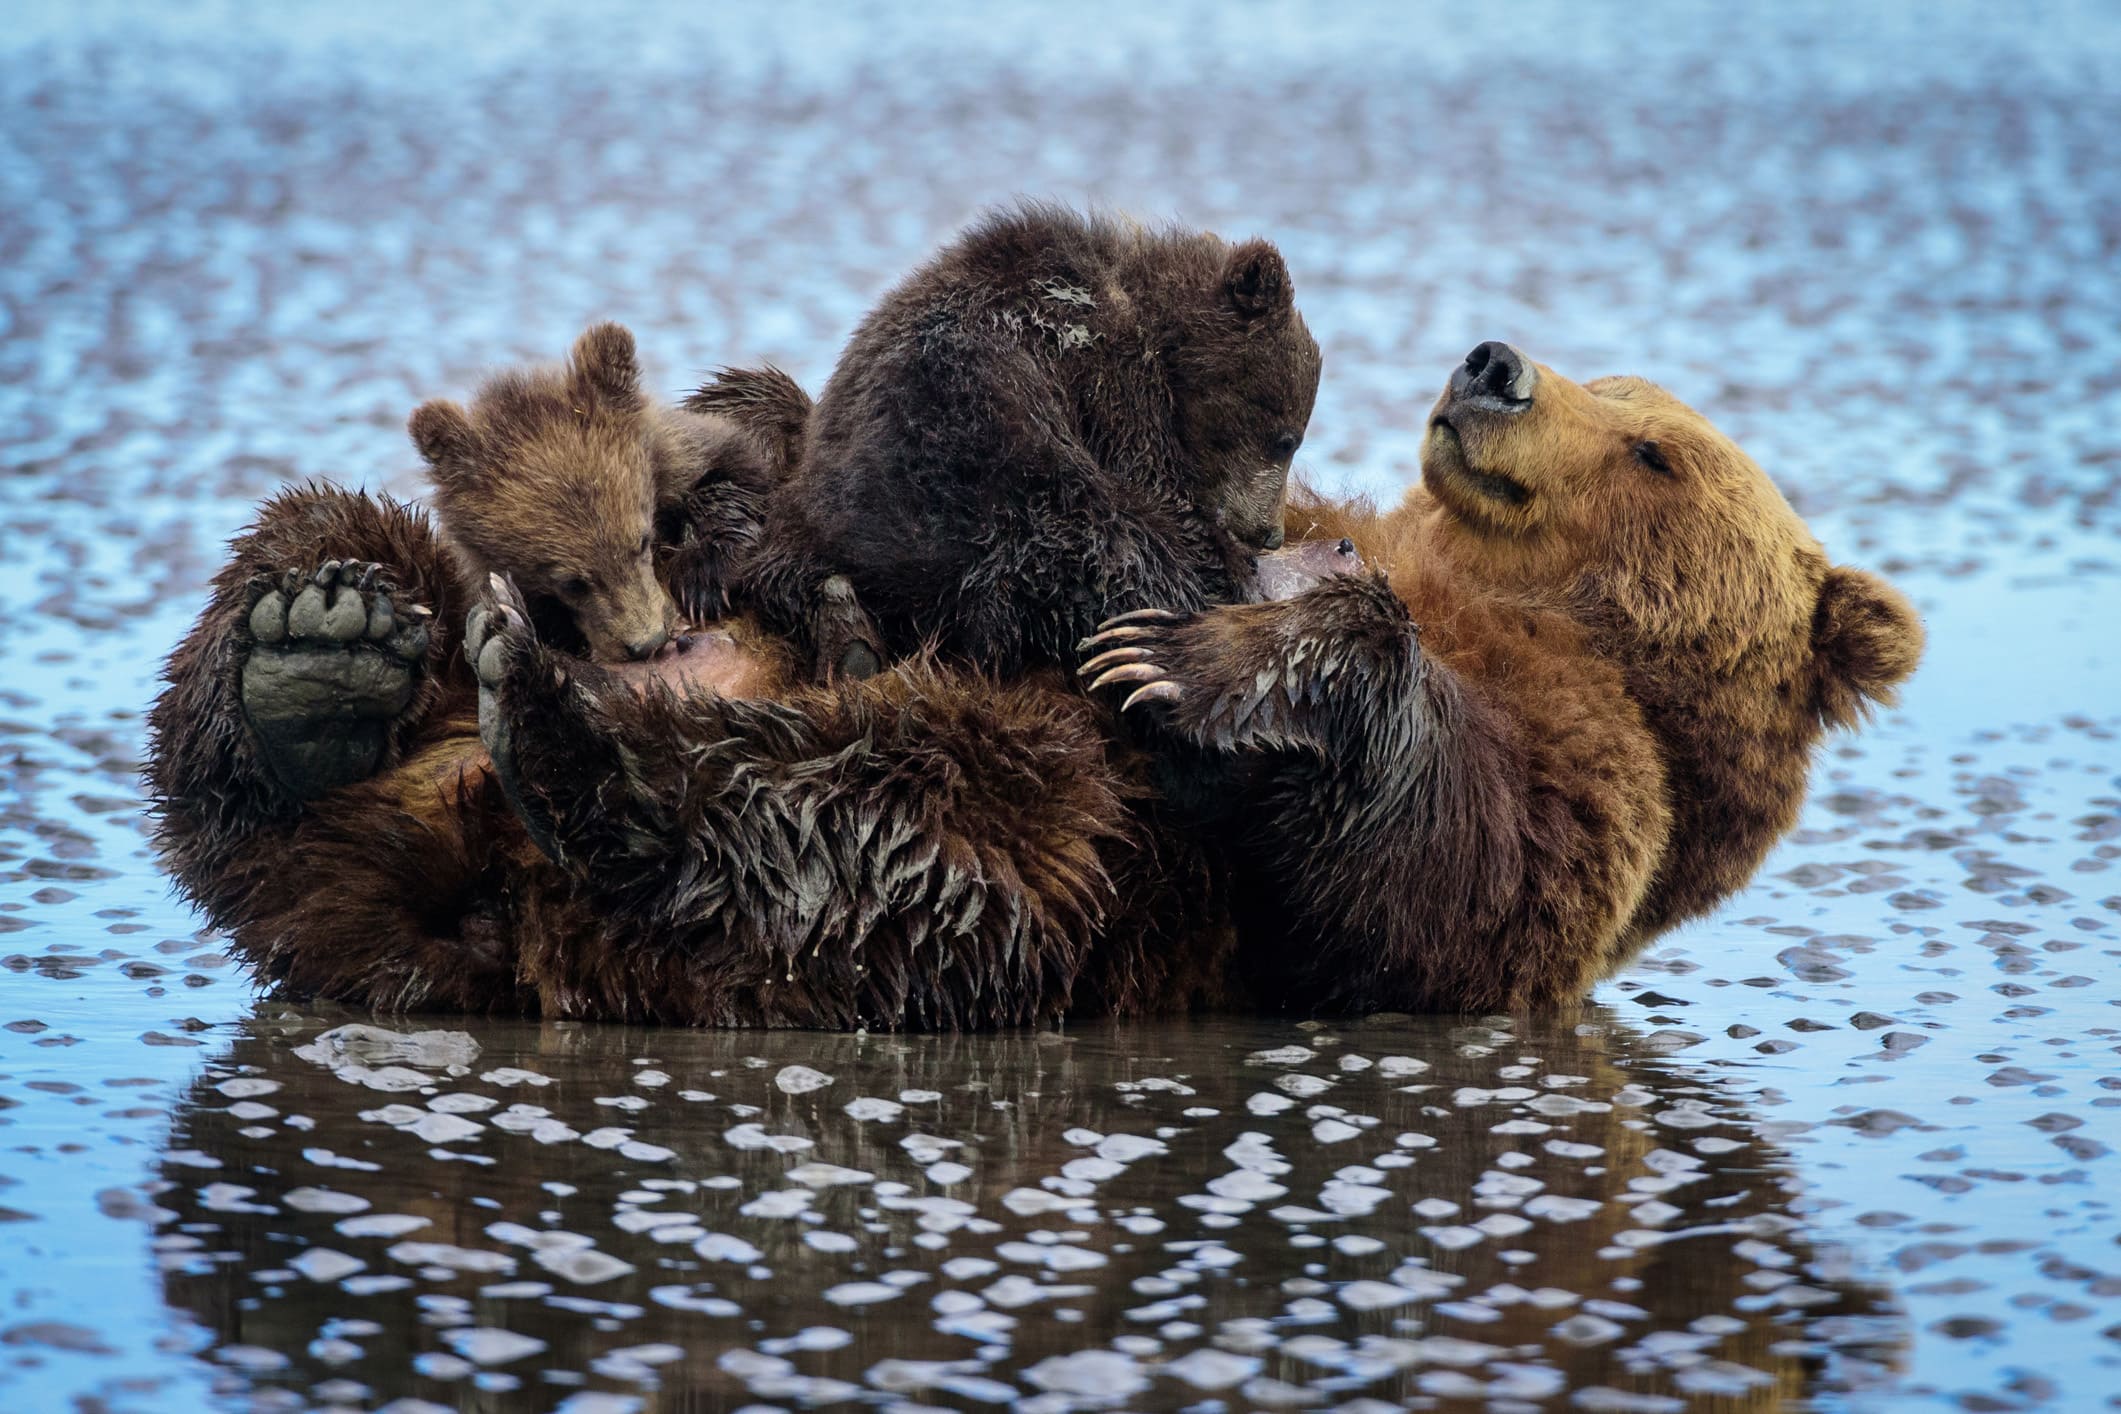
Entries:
{"x":1265,"y":1215}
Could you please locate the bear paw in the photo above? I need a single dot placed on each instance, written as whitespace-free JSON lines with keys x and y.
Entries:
{"x":1313,"y":671}
{"x":846,"y":638}
{"x":1129,"y":653}
{"x":334,"y":660}
{"x":497,"y":637}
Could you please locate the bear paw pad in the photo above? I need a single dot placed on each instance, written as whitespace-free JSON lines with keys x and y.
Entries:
{"x":334,"y":659}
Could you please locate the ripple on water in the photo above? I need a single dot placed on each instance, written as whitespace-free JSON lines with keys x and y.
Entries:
{"x":1853,"y":1133}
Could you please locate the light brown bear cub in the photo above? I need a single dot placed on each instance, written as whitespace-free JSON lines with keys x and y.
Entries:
{"x":615,"y":515}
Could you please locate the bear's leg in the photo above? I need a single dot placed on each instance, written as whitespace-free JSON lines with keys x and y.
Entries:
{"x":396,"y":893}
{"x":1334,"y":671}
{"x":1395,"y":824}
{"x":922,"y":849}
{"x":701,"y":541}
{"x":242,"y":735}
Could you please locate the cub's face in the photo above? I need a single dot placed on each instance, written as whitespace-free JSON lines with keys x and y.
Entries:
{"x":550,"y":479}
{"x":1619,"y":500}
{"x":1245,"y":378}
{"x":574,"y":523}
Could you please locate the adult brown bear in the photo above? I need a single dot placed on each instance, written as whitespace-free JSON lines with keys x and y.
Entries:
{"x":1574,"y":707}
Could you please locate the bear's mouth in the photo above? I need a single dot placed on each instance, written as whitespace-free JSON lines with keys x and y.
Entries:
{"x":1446,"y":457}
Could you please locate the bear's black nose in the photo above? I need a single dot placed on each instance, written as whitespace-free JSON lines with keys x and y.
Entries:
{"x":643,"y":648}
{"x":1496,"y":374}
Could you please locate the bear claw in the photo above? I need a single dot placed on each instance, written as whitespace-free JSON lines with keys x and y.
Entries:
{"x":1163,"y":690}
{"x":1144,"y":616}
{"x":1112,"y":657}
{"x":1127,"y":627}
{"x":1129,"y":644}
{"x":1129,"y":672}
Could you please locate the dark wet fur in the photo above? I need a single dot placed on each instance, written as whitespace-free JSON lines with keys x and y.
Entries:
{"x":927,"y":849}
{"x":768,"y":404}
{"x":1040,"y":427}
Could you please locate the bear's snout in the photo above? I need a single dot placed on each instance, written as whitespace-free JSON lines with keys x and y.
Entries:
{"x":647,"y":644}
{"x":1495,"y":377}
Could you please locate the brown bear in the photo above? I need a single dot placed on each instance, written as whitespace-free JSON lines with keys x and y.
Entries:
{"x":928,"y":848}
{"x":921,"y":849}
{"x":1057,"y":418}
{"x":1574,"y":707}
{"x":604,"y":506}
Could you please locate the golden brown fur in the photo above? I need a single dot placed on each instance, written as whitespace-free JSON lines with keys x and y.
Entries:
{"x":611,"y":511}
{"x":1576,"y":705}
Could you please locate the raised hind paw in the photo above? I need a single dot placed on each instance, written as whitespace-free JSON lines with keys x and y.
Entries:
{"x":334,"y":659}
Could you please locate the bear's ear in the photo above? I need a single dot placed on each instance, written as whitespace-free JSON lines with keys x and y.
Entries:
{"x":445,"y":438}
{"x":604,"y":360}
{"x":1866,"y":639}
{"x":1256,"y":281}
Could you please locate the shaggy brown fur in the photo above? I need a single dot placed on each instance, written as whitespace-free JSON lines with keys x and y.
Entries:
{"x":1055,"y":419}
{"x":925,"y":849}
{"x":612,"y":511}
{"x":1629,"y":647}
{"x":1576,"y":706}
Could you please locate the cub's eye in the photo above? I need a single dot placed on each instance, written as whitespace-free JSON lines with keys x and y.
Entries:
{"x":1652,"y":456}
{"x":1285,"y":446}
{"x":574,"y":591}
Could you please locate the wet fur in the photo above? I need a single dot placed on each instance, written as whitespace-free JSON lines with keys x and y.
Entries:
{"x":1057,"y":418}
{"x":1549,"y":728}
{"x":930,"y":848}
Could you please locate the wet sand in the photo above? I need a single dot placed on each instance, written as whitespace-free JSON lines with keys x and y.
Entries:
{"x":1847,"y":1144}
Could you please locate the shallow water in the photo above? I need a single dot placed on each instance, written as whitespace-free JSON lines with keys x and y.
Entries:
{"x":1849,"y":1143}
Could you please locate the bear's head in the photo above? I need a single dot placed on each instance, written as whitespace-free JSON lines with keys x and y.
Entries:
{"x":1244,"y":374}
{"x":1615,"y":499}
{"x":552,"y":478}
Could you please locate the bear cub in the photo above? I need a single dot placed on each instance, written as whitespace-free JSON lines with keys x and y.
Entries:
{"x":1058,"y":418}
{"x":617,"y":517}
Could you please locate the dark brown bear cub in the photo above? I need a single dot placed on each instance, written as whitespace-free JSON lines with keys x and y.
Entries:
{"x":1058,"y":418}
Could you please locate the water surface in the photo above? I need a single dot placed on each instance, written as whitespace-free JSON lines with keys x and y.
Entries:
{"x":1848,"y":1144}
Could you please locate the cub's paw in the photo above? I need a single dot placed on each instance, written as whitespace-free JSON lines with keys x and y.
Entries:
{"x":701,"y":542}
{"x":333,"y":659}
{"x":848,"y":645}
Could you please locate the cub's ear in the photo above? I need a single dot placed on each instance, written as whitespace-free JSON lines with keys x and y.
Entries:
{"x":1866,"y":639}
{"x":1256,"y":281}
{"x":604,"y":361}
{"x":445,"y":438}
